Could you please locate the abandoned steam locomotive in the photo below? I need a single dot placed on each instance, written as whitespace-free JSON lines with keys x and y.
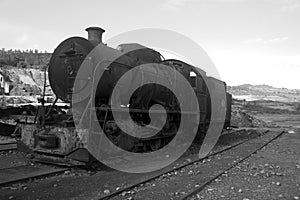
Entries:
{"x":53,"y":133}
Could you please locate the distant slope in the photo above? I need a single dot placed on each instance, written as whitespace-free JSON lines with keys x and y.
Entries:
{"x":264,"y":92}
{"x":25,"y":81}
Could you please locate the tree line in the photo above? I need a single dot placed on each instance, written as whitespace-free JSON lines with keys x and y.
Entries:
{"x":24,"y":59}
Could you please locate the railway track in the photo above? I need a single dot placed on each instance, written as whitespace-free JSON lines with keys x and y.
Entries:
{"x":20,"y":173}
{"x":17,"y":168}
{"x":117,"y":194}
{"x":203,"y":185}
{"x":8,"y":146}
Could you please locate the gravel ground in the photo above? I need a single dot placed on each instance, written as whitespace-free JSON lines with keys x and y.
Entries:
{"x":13,"y":158}
{"x":272,"y":173}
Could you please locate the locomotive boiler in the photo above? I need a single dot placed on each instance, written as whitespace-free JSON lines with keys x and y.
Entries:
{"x":54,"y":133}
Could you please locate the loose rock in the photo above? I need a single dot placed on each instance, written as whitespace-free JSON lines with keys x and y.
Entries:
{"x":278,"y":183}
{"x":106,"y":191}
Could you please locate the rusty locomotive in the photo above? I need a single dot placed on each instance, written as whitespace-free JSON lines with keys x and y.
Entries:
{"x":53,"y":133}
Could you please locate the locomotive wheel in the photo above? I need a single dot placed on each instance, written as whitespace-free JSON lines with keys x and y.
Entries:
{"x":125,"y":142}
{"x":155,"y":144}
{"x":172,"y":130}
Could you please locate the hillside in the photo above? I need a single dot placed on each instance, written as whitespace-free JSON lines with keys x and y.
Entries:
{"x":25,"y":81}
{"x":264,"y":92}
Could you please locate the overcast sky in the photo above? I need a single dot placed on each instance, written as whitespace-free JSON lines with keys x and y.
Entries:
{"x":250,"y":41}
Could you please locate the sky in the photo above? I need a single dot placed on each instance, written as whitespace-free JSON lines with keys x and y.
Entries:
{"x":250,"y":41}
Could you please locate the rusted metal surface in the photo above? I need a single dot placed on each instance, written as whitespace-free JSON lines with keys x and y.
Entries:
{"x":95,"y":35}
{"x":64,"y":64}
{"x":69,"y":139}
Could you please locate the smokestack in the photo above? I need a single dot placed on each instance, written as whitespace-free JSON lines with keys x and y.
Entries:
{"x":95,"y":35}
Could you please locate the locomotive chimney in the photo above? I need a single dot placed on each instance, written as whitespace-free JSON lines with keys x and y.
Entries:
{"x":95,"y":35}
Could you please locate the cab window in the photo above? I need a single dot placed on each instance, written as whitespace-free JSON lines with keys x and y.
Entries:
{"x":193,"y":79}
